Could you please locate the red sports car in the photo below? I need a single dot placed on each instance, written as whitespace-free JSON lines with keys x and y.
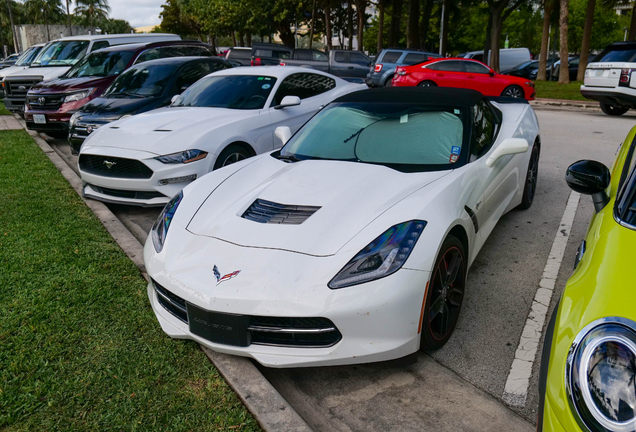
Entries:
{"x":463,"y":73}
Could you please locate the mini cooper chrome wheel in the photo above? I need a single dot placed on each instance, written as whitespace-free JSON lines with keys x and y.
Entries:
{"x":444,"y":295}
{"x":513,"y":91}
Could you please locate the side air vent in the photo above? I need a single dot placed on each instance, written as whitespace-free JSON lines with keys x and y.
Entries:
{"x":270,"y":212}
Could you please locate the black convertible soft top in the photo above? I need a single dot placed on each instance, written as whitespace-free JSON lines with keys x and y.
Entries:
{"x":435,"y":96}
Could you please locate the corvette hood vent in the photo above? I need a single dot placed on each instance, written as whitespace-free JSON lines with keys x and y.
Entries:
{"x":273,"y":213}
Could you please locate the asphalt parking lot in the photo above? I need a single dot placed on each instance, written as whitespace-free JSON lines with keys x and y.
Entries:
{"x":461,"y":386}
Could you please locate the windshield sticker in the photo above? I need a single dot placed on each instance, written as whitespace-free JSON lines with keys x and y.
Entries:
{"x":453,"y":158}
{"x":456,"y":111}
{"x":404,"y":118}
{"x":266,"y":86}
{"x":456,"y":150}
{"x":259,"y":79}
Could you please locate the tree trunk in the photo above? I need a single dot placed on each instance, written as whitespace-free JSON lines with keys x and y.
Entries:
{"x":564,"y":73}
{"x":313,"y":20}
{"x":486,"y":57}
{"x":361,"y":6}
{"x":68,"y":14}
{"x":587,"y":35}
{"x":15,"y":36}
{"x":496,"y":42}
{"x":412,"y":31}
{"x":632,"y":25}
{"x":46,"y":24}
{"x":444,"y":20}
{"x":380,"y":25}
{"x":328,"y":26}
{"x":396,"y":22}
{"x":545,"y":36}
{"x":426,"y":18}
{"x":240,"y":39}
{"x":233,"y":38}
{"x":248,"y":38}
{"x":350,"y":24}
{"x":212,"y":42}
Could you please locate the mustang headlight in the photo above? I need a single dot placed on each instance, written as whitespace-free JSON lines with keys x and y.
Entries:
{"x":601,"y":375}
{"x":182,"y":157}
{"x":75,"y":96}
{"x":383,"y":256}
{"x":161,"y":225}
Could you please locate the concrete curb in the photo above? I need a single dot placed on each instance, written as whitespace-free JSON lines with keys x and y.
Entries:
{"x":269,"y":408}
{"x":586,"y":105}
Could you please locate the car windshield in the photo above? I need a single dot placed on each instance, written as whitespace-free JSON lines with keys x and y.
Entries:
{"x":26,"y":58}
{"x":405,"y":137}
{"x":229,"y":91}
{"x":141,"y":81}
{"x":100,"y":64}
{"x":62,"y":53}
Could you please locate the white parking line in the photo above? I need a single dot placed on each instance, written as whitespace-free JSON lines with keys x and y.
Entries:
{"x":518,"y":380}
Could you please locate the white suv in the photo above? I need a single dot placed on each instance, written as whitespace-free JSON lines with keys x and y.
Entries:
{"x":609,"y":78}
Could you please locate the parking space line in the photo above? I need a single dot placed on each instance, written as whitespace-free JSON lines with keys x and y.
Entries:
{"x":516,"y":389}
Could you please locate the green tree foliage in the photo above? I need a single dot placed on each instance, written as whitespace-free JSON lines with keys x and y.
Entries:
{"x":92,"y":12}
{"x":115,"y":26}
{"x":608,"y":26}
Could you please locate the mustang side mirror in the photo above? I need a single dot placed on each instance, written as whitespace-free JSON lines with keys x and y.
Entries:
{"x":590,"y":178}
{"x":288,"y":101}
{"x":283,"y":133}
{"x":507,"y":147}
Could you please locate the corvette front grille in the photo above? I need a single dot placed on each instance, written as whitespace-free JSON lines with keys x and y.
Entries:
{"x":263,"y":211}
{"x":108,"y":166}
{"x":172,"y":303}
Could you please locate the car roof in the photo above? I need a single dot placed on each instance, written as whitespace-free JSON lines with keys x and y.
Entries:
{"x":411,"y":50}
{"x":272,"y":71}
{"x":179,"y":60}
{"x":241,"y":48}
{"x":434,"y":96}
{"x":115,"y":36}
{"x":152,"y":44}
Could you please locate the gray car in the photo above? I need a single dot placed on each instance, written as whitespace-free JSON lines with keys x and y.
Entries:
{"x":382,"y":71}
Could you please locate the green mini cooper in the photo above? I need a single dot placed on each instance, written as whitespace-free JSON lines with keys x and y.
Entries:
{"x":588,"y":369}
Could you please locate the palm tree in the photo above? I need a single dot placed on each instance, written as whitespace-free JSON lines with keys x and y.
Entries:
{"x":548,"y":7}
{"x":68,"y":14}
{"x":92,"y":10}
{"x":43,"y":9}
{"x":564,"y":71}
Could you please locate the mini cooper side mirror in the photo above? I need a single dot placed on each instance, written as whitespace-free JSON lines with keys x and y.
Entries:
{"x":507,"y":147}
{"x":590,"y":178}
{"x":283,"y":133}
{"x":288,"y":101}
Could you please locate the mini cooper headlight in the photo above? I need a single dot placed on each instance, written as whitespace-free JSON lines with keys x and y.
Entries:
{"x":75,"y":96}
{"x":161,"y":225}
{"x":383,"y":256}
{"x":182,"y":157}
{"x":601,"y":375}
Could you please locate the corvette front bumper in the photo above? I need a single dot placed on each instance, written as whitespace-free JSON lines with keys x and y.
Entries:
{"x":378,"y":320}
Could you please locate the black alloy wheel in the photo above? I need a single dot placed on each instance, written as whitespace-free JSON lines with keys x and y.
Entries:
{"x":444,"y":295}
{"x":532,"y":176}
{"x":231,"y":154}
{"x":613,"y":110}
{"x":513,"y":91}
{"x":427,"y":84}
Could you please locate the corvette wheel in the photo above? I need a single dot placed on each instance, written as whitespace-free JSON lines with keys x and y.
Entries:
{"x":230,"y":155}
{"x":445,"y":295}
{"x":513,"y":91}
{"x":427,"y":84}
{"x":532,"y":175}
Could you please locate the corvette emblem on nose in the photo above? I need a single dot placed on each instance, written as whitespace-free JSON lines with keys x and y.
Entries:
{"x":109,"y":164}
{"x":228,"y":276}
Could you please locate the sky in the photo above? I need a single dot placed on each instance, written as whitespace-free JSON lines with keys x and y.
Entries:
{"x":138,"y":13}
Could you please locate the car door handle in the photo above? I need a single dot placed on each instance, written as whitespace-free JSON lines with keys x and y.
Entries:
{"x":439,"y":75}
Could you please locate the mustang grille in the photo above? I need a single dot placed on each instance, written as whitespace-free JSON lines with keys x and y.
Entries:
{"x":270,"y":212}
{"x":108,"y":166}
{"x":127,"y":193}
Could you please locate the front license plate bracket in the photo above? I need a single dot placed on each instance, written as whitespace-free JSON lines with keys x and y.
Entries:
{"x":226,"y":329}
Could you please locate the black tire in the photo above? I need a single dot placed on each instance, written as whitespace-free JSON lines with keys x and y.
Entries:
{"x":427,"y":84}
{"x":532,"y":175}
{"x":444,"y":297}
{"x":389,"y":81}
{"x":231,"y":154}
{"x":613,"y":110}
{"x":513,"y":91}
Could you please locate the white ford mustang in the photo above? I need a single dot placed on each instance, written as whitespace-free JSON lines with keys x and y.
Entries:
{"x":351,"y":244}
{"x":225,"y":117}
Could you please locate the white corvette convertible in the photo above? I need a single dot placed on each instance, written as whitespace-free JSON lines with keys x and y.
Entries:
{"x":352,"y":243}
{"x":225,"y":117}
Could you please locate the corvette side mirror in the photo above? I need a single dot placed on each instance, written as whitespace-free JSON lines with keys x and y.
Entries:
{"x":590,"y":178}
{"x":507,"y":147}
{"x":174,"y":99}
{"x":288,"y":101}
{"x":283,"y":133}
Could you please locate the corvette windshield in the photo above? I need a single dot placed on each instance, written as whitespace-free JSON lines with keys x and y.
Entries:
{"x":405,"y":137}
{"x":100,"y":64}
{"x":231,"y":91}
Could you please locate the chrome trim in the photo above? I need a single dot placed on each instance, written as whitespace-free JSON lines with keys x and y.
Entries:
{"x":289,"y":330}
{"x":631,"y":325}
{"x":166,"y":298}
{"x":172,"y":303}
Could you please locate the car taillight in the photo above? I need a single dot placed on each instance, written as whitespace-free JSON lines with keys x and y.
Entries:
{"x":378,"y":67}
{"x":625,"y":76}
{"x":282,"y":64}
{"x":256,"y":61}
{"x":401,"y":72}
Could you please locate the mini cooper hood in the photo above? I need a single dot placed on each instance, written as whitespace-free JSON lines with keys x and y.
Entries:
{"x":163,"y":130}
{"x":350,"y":195}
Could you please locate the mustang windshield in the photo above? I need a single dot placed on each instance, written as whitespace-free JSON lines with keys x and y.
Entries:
{"x":405,"y":137}
{"x":230,"y":91}
{"x":100,"y":64}
{"x":62,"y":53}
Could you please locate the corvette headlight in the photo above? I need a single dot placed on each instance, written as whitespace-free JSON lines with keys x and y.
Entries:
{"x":72,"y":97}
{"x":383,"y":256}
{"x":601,"y":374}
{"x":182,"y":157}
{"x":161,"y":225}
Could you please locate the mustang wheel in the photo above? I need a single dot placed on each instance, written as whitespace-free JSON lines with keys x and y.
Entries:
{"x":530,"y":187}
{"x":613,"y":110}
{"x":231,"y":154}
{"x":513,"y":91}
{"x":445,"y":295}
{"x":427,"y":84}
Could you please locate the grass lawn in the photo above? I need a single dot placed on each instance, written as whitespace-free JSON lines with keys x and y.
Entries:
{"x":554,"y":90}
{"x":3,"y":110}
{"x":80,"y":348}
